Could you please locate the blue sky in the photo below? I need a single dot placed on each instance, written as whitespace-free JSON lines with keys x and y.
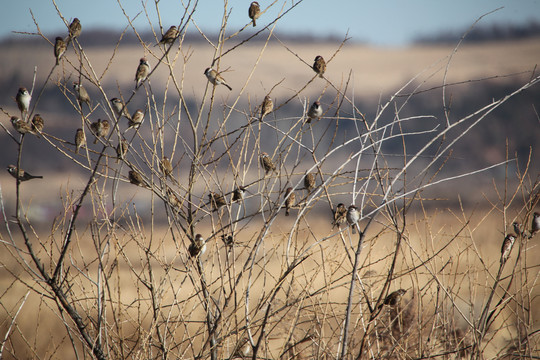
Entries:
{"x":382,"y":22}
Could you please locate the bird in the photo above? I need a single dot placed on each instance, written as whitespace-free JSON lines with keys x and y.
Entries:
{"x":517,"y":228}
{"x":136,"y":119}
{"x":121,"y":149}
{"x":22,"y":175}
{"x":81,"y":93}
{"x":59,"y":49}
{"x":506,"y":248}
{"x":216,"y":201}
{"x":23,"y":100}
{"x":393,"y":298}
{"x":314,"y":112}
{"x":80,"y":140}
{"x":238,"y":194}
{"x":169,"y":36}
{"x":254,"y":12}
{"x":75,"y":29}
{"x":267,"y":163}
{"x":535,"y":225}
{"x":119,"y":108}
{"x":319,"y":65}
{"x":290,"y":200}
{"x":100,"y":128}
{"x":37,"y":123}
{"x":174,"y":201}
{"x":309,"y":182}
{"x":340,"y":215}
{"x":352,"y":217}
{"x":215,"y":78}
{"x":21,"y":126}
{"x":228,"y":240}
{"x":165,"y":166}
{"x":135,"y":178}
{"x":266,"y":107}
{"x":197,"y":246}
{"x":142,"y":72}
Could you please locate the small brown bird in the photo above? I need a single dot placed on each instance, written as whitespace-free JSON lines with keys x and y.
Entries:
{"x":535,"y":225}
{"x":80,"y":140}
{"x":100,"y":128}
{"x":267,"y":163}
{"x":266,"y":107}
{"x":254,"y":12}
{"x":319,"y":66}
{"x":75,"y":29}
{"x":290,"y":200}
{"x":309,"y":182}
{"x":216,"y":201}
{"x":59,"y":49}
{"x":165,"y":167}
{"x":169,"y":36}
{"x":23,"y":100}
{"x":121,"y":149}
{"x":135,"y":178}
{"x":81,"y":94}
{"x":314,"y":112}
{"x":228,"y":240}
{"x":119,"y":108}
{"x":21,"y":126}
{"x":393,"y":298}
{"x":352,"y":217}
{"x":238,"y":193}
{"x":37,"y":123}
{"x":517,"y":228}
{"x":174,"y":201}
{"x":340,"y":215}
{"x":136,"y":119}
{"x":506,"y":248}
{"x":142,"y":72}
{"x":23,"y":175}
{"x":197,"y":246}
{"x":215,"y":78}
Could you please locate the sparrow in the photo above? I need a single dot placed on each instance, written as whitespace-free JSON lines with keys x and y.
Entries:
{"x":23,"y":175}
{"x":254,"y":12}
{"x":135,"y":178}
{"x":80,"y":140}
{"x":21,"y":126}
{"x":319,"y":66}
{"x":535,"y":225}
{"x":215,"y":78}
{"x":266,"y":107}
{"x":142,"y":72}
{"x":174,"y":201}
{"x":290,"y":199}
{"x":81,"y":93}
{"x":23,"y":100}
{"x":37,"y":123}
{"x":352,"y":217}
{"x":59,"y":49}
{"x":517,"y":228}
{"x":267,"y":163}
{"x":197,"y":246}
{"x":314,"y":112}
{"x":393,"y":298}
{"x":340,"y":215}
{"x":121,"y":149}
{"x":119,"y":108}
{"x":169,"y":36}
{"x":506,"y":248}
{"x":216,"y":201}
{"x":238,"y":193}
{"x":165,"y":167}
{"x":75,"y":29}
{"x":309,"y":182}
{"x":228,"y":240}
{"x":136,"y":119}
{"x":100,"y":128}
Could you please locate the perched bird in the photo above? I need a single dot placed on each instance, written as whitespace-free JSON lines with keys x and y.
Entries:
{"x":169,"y":36}
{"x":215,"y":78}
{"x":290,"y":200}
{"x":238,"y":193}
{"x":393,"y":298}
{"x":197,"y":246}
{"x":119,"y":108}
{"x":136,"y":119}
{"x":80,"y":140}
{"x":266,"y":107}
{"x":75,"y":29}
{"x":142,"y":72}
{"x":100,"y":128}
{"x":37,"y":123}
{"x":59,"y":49}
{"x":216,"y":200}
{"x":174,"y":201}
{"x":319,"y":65}
{"x":228,"y":240}
{"x":314,"y":112}
{"x":254,"y":12}
{"x":121,"y":149}
{"x":309,"y":182}
{"x":340,"y":215}
{"x":23,"y":100}
{"x":21,"y":126}
{"x":506,"y":248}
{"x":535,"y":225}
{"x":267,"y":163}
{"x":23,"y":175}
{"x":135,"y":178}
{"x":517,"y":228}
{"x":165,"y":167}
{"x":352,"y":217}
{"x":81,"y":93}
